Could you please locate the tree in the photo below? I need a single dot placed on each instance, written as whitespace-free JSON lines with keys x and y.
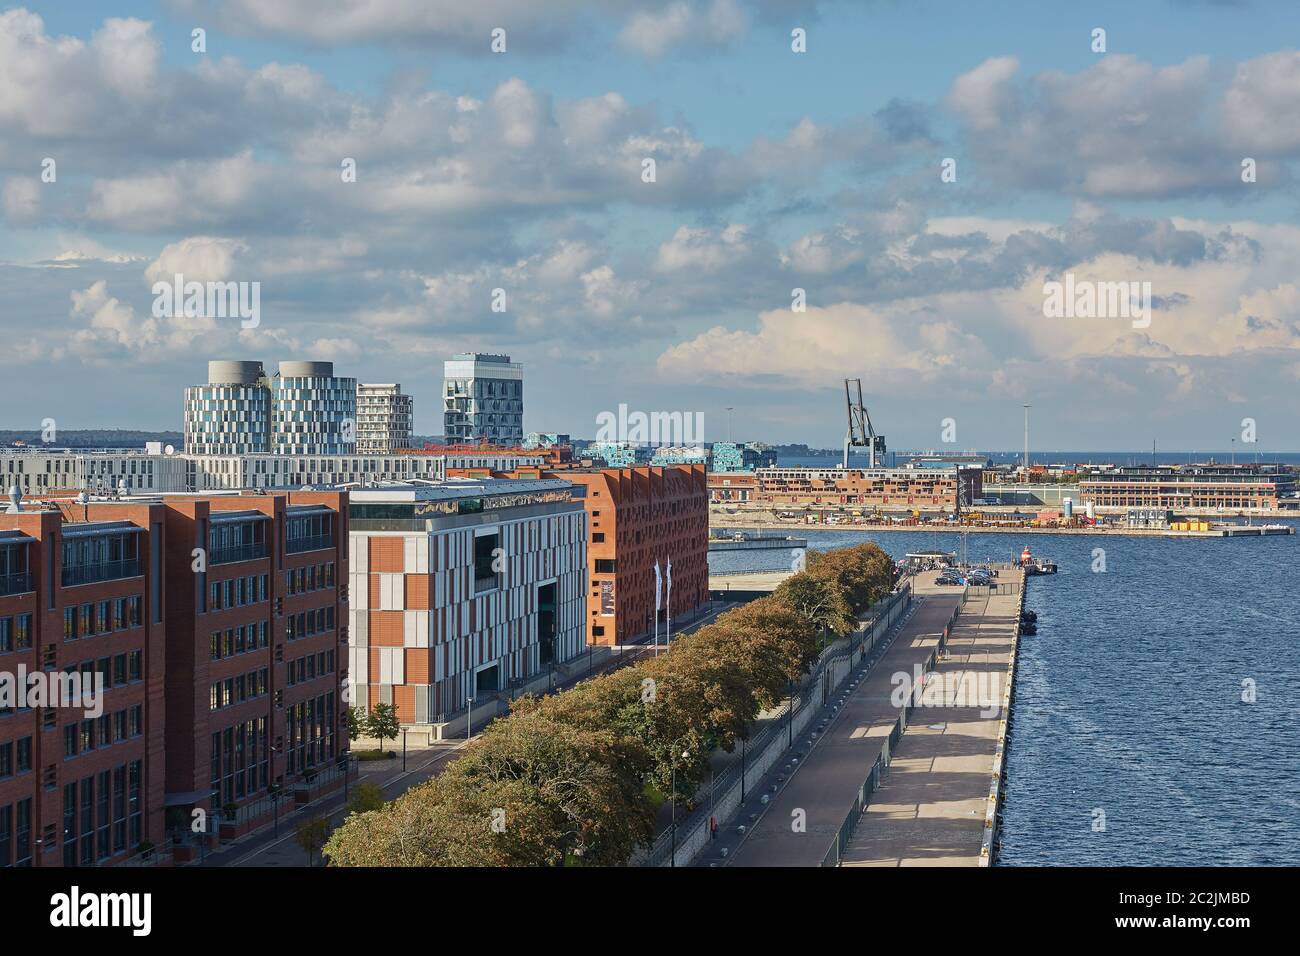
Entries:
{"x":356,"y":722}
{"x":382,"y":723}
{"x":819,"y":600}
{"x":792,"y":633}
{"x":311,"y":835}
{"x":863,"y":573}
{"x":366,"y":797}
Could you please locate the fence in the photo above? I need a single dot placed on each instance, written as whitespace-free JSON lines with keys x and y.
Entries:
{"x":729,"y":789}
{"x":872,"y":782}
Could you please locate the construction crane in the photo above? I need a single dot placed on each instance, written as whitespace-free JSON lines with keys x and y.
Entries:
{"x":860,"y":433}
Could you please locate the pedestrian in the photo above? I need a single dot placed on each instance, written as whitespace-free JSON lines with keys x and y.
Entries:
{"x":713,"y":828}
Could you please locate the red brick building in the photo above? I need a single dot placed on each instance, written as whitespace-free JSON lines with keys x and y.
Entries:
{"x":221,"y":668}
{"x":638,"y":516}
{"x":84,"y":592}
{"x":257,"y":646}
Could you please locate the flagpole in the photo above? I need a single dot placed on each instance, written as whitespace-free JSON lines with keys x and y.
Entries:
{"x":668,"y":602}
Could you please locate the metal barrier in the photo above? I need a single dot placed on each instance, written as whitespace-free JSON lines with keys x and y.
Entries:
{"x":773,"y":739}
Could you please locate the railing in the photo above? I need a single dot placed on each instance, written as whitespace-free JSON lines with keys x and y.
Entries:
{"x":727,"y":788}
{"x":106,"y":571}
{"x":317,"y":542}
{"x":19,"y":583}
{"x":239,"y":552}
{"x":869,"y":786}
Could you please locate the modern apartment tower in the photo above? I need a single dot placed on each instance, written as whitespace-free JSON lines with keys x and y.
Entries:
{"x":231,"y":414}
{"x":483,"y":399}
{"x":302,"y":410}
{"x":312,"y":411}
{"x":384,"y":417}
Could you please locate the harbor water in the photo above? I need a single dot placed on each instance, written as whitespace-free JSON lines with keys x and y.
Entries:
{"x":1132,"y":744}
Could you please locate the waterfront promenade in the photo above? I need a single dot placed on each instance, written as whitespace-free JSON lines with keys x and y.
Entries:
{"x":930,"y":807}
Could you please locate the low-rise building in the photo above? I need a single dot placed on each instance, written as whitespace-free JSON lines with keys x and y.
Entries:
{"x":462,"y":590}
{"x":1208,"y":487}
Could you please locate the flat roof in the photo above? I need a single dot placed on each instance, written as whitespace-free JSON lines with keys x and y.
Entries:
{"x":454,"y":488}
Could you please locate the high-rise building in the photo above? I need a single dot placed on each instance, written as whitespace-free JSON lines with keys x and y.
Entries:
{"x":384,"y":418}
{"x":312,"y":411}
{"x":304,"y":409}
{"x":483,"y":399}
{"x":231,"y":414}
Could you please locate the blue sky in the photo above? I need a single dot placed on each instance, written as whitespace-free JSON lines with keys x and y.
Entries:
{"x":777,"y":170}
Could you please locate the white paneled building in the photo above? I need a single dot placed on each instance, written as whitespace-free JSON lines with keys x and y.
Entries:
{"x":384,"y":416}
{"x":469,"y":589}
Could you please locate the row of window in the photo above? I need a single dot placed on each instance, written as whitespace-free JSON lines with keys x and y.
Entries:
{"x":238,"y":640}
{"x":15,"y":757}
{"x":310,"y":667}
{"x":240,"y":761}
{"x":15,"y":633}
{"x":105,"y":617}
{"x":236,"y":690}
{"x":311,"y":733}
{"x":238,"y":592}
{"x":16,"y":833}
{"x":102,"y":815}
{"x":311,"y":578}
{"x":309,"y":623}
{"x":103,"y":731}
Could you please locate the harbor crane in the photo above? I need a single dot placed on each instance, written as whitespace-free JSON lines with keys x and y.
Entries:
{"x":860,"y":432}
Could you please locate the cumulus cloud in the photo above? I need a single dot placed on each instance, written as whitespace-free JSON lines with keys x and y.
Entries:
{"x":1126,"y":128}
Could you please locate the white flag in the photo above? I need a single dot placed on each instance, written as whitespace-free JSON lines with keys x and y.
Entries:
{"x":670,"y":579}
{"x":658,"y":585}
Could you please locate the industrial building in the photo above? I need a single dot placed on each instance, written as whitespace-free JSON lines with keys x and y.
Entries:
{"x":1184,"y":488}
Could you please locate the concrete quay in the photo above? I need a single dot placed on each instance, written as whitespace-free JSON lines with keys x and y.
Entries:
{"x":938,"y":804}
{"x":925,"y":765}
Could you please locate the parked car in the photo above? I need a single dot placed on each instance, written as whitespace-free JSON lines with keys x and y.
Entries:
{"x":948,"y":580}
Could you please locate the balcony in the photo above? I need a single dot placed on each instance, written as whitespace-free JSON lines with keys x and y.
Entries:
{"x":318,"y":542}
{"x":20,"y":583}
{"x":105,"y":571}
{"x":239,"y":552}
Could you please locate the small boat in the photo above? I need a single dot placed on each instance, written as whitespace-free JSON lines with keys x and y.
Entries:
{"x":1035,"y":566}
{"x":1027,"y":627}
{"x":1029,"y":617}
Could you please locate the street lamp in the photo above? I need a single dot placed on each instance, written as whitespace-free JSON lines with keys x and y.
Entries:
{"x":469,"y":720}
{"x":790,"y":709}
{"x":672,"y":763}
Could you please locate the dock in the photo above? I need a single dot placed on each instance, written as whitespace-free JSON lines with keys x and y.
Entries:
{"x":759,"y":542}
{"x":925,"y":767}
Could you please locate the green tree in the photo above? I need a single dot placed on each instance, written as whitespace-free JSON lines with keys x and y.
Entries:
{"x":311,"y":835}
{"x":819,"y":600}
{"x":382,"y":723}
{"x":366,"y":797}
{"x":356,"y":722}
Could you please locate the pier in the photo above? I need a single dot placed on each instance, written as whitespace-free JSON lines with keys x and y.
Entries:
{"x":900,"y":778}
{"x":758,"y":542}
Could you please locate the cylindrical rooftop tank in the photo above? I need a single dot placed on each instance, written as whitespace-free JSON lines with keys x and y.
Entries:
{"x":234,"y":373}
{"x":306,"y":369}
{"x":1067,"y":504}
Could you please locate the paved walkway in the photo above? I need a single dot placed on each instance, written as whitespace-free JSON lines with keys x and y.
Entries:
{"x":802,"y":819}
{"x":929,"y":809}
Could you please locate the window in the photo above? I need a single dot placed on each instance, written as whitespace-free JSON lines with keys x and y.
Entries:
{"x":486,"y":561}
{"x":136,"y":662}
{"x":70,"y":740}
{"x":6,"y":759}
{"x":133,"y":611}
{"x":69,"y":623}
{"x":23,"y":632}
{"x":24,"y":754}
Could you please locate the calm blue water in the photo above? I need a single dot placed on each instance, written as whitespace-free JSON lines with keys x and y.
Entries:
{"x":1128,"y":700}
